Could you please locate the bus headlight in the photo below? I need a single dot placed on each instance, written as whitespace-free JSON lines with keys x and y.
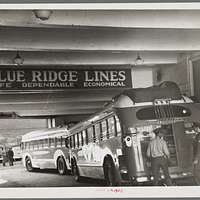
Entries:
{"x":128,"y":141}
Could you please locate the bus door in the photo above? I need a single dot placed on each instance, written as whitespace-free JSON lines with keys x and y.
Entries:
{"x":184,"y":146}
{"x":184,"y":142}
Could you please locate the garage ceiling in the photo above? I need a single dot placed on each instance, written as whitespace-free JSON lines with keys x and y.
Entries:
{"x":90,"y":37}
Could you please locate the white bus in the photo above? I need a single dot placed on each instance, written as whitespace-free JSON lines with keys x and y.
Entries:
{"x":46,"y":149}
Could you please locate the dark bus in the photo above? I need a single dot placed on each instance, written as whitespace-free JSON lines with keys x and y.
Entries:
{"x":112,"y":144}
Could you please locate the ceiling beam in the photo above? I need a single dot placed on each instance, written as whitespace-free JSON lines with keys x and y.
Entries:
{"x":100,"y":39}
{"x":101,"y":5}
{"x":29,"y":107}
{"x":46,"y":105}
{"x":104,"y":18}
{"x":60,"y":102}
{"x":88,"y":58}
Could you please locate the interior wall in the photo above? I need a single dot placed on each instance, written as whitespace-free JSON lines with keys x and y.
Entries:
{"x":142,"y":77}
{"x":177,"y":73}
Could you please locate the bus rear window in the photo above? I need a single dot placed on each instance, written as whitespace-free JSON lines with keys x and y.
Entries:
{"x":163,"y":111}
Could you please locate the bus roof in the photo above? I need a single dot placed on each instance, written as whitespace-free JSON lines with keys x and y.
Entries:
{"x":44,"y":133}
{"x":164,"y":90}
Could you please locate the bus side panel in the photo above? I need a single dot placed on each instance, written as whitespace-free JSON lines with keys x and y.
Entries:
{"x":44,"y":158}
{"x":90,"y":157}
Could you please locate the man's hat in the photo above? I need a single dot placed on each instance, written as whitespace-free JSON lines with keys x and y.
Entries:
{"x":160,"y":130}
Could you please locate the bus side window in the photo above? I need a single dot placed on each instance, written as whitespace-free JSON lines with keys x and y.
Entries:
{"x":35,"y":144}
{"x":94,"y":135}
{"x":49,"y":142}
{"x":32,"y":145}
{"x":67,"y":142}
{"x":118,"y":126}
{"x":74,"y":144}
{"x":104,"y":129}
{"x":58,"y":143}
{"x":39,"y":144}
{"x":52,"y":142}
{"x":90,"y":134}
{"x":70,"y":141}
{"x":45,"y":143}
{"x":61,"y":141}
{"x":111,"y":126}
{"x":42,"y":141}
{"x":82,"y":139}
{"x":97,"y":129}
{"x":85,"y":137}
{"x":78,"y":141}
{"x":55,"y":141}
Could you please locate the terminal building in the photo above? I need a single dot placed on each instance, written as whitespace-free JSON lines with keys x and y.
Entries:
{"x":60,"y":66}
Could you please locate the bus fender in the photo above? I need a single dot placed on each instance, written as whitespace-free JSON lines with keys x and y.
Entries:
{"x":58,"y":153}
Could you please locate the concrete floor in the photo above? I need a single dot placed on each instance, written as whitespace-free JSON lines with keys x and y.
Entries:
{"x":17,"y":176}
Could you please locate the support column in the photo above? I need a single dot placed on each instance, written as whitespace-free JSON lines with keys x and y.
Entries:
{"x":190,"y":76}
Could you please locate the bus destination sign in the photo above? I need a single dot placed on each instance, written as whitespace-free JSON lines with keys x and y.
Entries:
{"x":48,"y":79}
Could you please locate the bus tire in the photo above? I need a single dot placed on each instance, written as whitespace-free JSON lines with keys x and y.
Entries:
{"x":75,"y":172}
{"x":28,"y":164}
{"x":109,"y":173}
{"x":61,"y":166}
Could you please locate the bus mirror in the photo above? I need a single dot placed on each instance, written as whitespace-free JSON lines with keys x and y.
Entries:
{"x":67,"y":142}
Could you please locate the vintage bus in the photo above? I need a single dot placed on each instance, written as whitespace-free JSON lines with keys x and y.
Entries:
{"x":46,"y":149}
{"x":112,"y":144}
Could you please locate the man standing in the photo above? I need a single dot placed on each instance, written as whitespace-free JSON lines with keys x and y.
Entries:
{"x":4,"y":156}
{"x":10,"y":156}
{"x":158,"y":152}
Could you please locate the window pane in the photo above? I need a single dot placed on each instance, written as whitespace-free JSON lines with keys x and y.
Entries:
{"x":85,"y":141}
{"x":90,"y":134}
{"x":70,"y":142}
{"x":78,"y":140}
{"x":104,"y":129}
{"x":97,"y":130}
{"x":111,"y":126}
{"x":39,"y":144}
{"x":52,"y":142}
{"x":118,"y":126}
{"x":76,"y":143}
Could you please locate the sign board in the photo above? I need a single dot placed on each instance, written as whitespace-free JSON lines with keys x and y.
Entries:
{"x":50,"y":79}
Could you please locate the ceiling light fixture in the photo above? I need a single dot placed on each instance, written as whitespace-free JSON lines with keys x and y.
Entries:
{"x":18,"y":60}
{"x":139,"y":60}
{"x":42,"y":14}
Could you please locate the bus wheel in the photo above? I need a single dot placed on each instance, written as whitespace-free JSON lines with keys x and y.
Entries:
{"x":109,"y":174}
{"x":75,"y":172}
{"x":28,"y":165}
{"x":61,"y":166}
